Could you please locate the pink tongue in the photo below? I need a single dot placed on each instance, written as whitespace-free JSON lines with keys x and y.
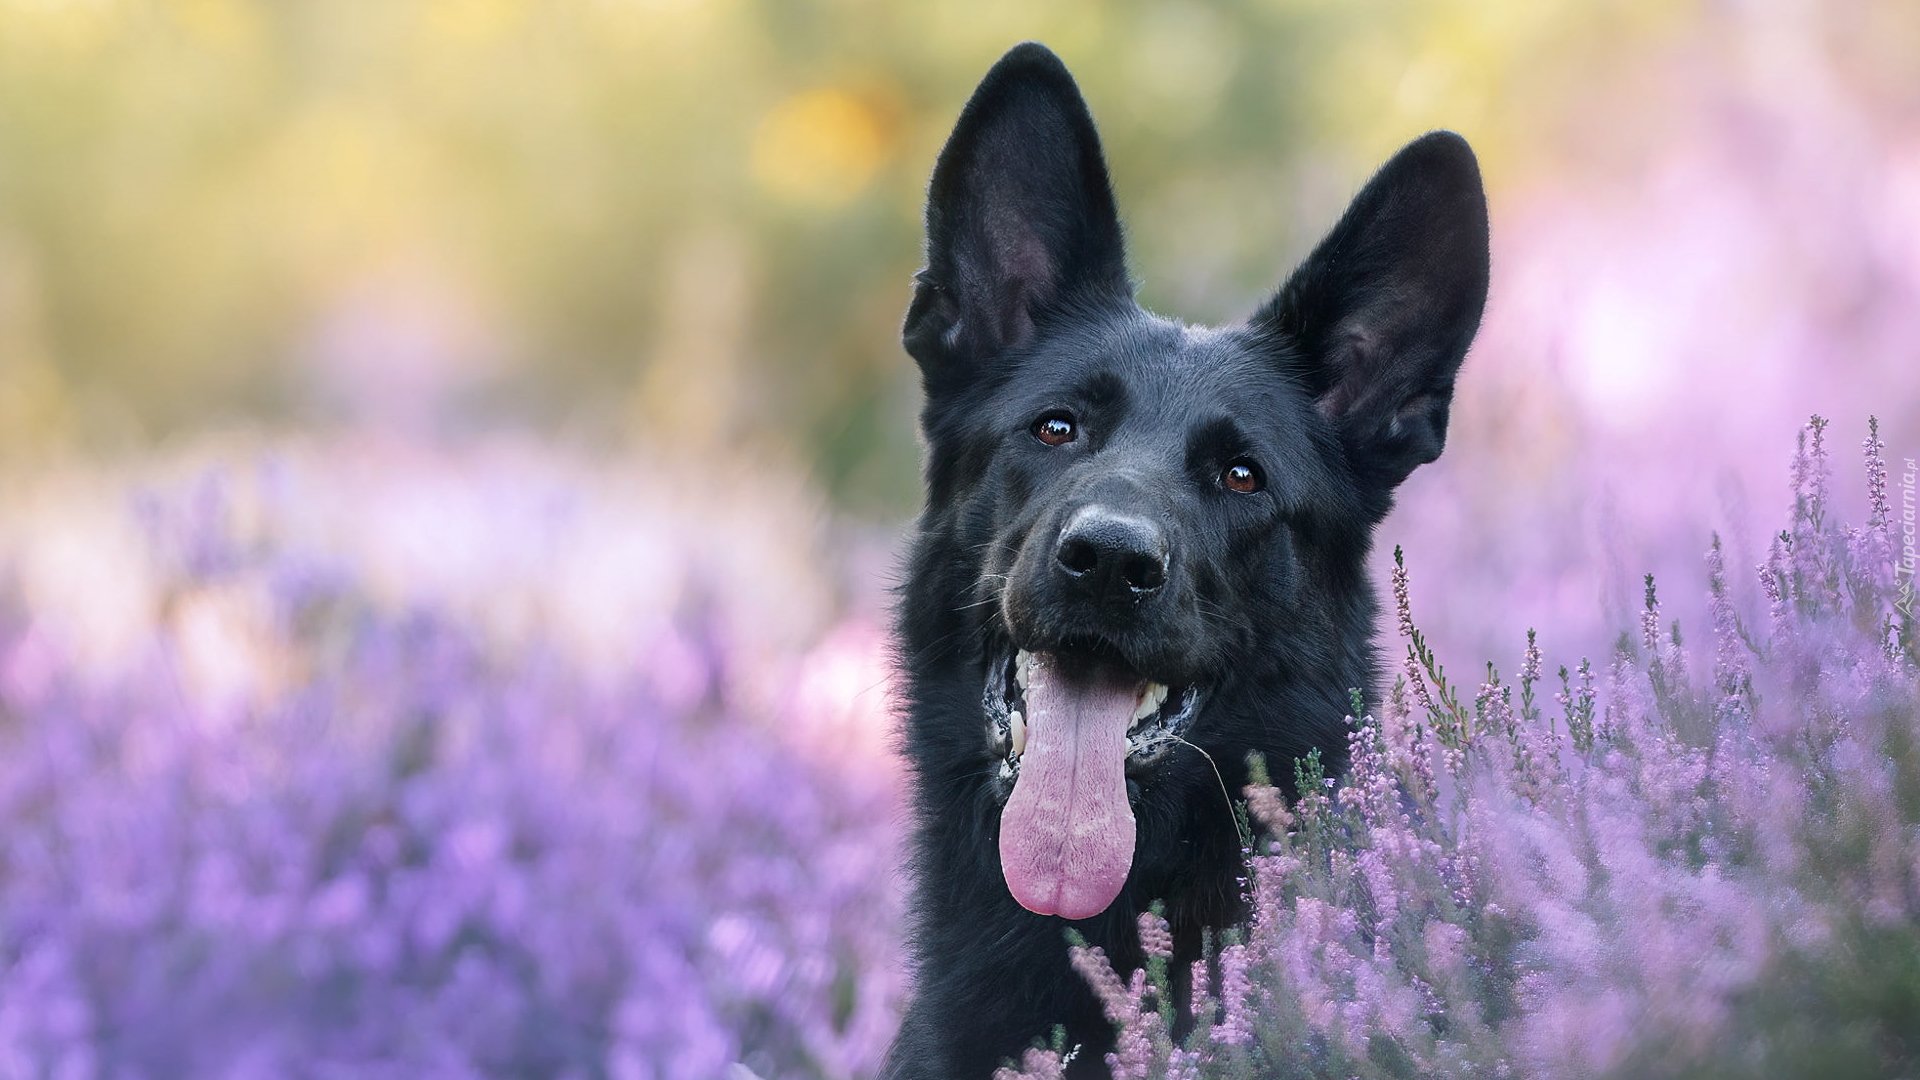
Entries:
{"x":1066,"y":835}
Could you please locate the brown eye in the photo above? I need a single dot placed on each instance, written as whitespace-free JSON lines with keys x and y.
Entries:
{"x":1055,"y":430}
{"x":1242,"y":477}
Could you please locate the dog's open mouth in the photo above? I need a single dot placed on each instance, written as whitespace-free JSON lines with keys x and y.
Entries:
{"x":1159,"y":715}
{"x":1069,"y":724}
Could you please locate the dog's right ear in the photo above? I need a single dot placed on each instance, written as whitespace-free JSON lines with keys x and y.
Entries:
{"x":1020,"y":221}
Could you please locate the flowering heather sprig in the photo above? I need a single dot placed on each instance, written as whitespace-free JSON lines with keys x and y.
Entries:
{"x":1810,"y":475}
{"x":1493,"y":705}
{"x":1141,"y":1038}
{"x":1811,"y":562}
{"x":1402,"y":598}
{"x":1156,"y":938}
{"x":1236,"y":1026}
{"x":1403,"y":603}
{"x":1450,"y":718}
{"x":1529,"y":675}
{"x":1731,"y":675}
{"x":1407,"y":747}
{"x":1312,"y":805}
{"x":1650,"y":622}
{"x":1675,"y":658}
{"x":1038,"y":1063}
{"x":1578,"y":706}
{"x":1412,"y":677}
{"x":1879,"y":510}
{"x":1666,"y":667}
{"x":1269,"y":807}
{"x":1869,"y":561}
{"x":1775,"y":583}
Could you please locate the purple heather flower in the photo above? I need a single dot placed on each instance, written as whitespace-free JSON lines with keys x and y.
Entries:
{"x":1879,"y":511}
{"x":1155,"y":936}
{"x":1036,"y":1064}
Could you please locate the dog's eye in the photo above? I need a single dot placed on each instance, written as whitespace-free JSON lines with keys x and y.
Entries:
{"x":1055,"y":430}
{"x":1241,"y":476}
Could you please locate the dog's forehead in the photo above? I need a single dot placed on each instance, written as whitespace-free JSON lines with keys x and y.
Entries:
{"x":1175,"y":371}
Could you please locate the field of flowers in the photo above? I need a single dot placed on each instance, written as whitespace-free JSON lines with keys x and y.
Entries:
{"x":345,"y":762}
{"x":341,"y":760}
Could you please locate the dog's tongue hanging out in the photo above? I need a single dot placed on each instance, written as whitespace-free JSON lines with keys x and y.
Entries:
{"x":1066,"y":835}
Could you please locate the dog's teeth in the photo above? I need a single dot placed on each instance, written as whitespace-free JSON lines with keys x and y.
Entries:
{"x":1022,"y":668}
{"x":1018,"y":724}
{"x":1151,"y":699}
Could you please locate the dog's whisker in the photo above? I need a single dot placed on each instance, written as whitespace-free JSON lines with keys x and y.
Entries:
{"x":937,"y":649}
{"x":1246,"y":841}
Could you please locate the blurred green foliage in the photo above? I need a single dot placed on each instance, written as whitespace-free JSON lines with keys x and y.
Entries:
{"x":687,"y":222}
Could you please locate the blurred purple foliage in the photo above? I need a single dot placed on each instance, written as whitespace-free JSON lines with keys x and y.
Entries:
{"x":1708,"y":865}
{"x":418,"y":853}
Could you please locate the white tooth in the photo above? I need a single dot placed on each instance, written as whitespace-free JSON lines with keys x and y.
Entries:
{"x":1022,"y":668}
{"x":1019,"y":725}
{"x":1150,"y":701}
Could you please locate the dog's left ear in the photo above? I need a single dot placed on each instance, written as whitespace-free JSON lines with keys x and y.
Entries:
{"x":1376,"y":321}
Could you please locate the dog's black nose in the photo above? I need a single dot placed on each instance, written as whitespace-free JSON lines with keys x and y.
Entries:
{"x":1112,"y":556}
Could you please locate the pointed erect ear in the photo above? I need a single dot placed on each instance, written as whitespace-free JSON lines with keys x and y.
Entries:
{"x":1378,"y":318}
{"x":1020,"y":221}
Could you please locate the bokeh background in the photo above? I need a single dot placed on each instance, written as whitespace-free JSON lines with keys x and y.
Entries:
{"x":570,"y":328}
{"x":687,"y":227}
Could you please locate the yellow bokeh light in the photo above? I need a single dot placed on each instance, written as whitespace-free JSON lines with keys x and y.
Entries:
{"x":227,"y":24}
{"x":473,"y":22}
{"x":69,"y":27}
{"x":819,"y":147}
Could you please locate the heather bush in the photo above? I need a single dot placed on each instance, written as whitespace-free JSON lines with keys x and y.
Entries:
{"x":304,"y":829}
{"x":1699,"y":857}
{"x":497,"y":768}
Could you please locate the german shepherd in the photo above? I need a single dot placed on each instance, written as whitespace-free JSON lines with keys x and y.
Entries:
{"x":1142,"y":555}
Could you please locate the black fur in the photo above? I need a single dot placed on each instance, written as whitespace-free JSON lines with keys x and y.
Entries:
{"x":1332,"y":393}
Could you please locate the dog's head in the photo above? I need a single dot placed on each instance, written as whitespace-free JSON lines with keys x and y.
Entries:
{"x":1147,"y":519}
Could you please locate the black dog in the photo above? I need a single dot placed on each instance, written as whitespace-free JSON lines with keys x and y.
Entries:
{"x":1142,"y":540}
